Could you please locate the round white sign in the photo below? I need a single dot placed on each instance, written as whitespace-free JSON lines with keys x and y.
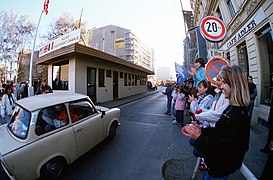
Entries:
{"x":213,"y":29}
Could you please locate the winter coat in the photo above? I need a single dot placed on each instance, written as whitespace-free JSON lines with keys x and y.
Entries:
{"x":199,"y":76}
{"x":224,"y":146}
{"x":220,"y":103}
{"x":174,"y":95}
{"x":180,"y":102}
{"x":203,"y":102}
{"x":8,"y":104}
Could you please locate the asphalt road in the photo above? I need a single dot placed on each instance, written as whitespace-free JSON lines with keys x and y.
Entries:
{"x":144,"y":141}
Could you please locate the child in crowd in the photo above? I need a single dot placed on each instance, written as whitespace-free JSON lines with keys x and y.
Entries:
{"x":202,"y":104}
{"x":174,"y":95}
{"x":220,"y":103}
{"x":179,"y":107}
{"x":204,"y":99}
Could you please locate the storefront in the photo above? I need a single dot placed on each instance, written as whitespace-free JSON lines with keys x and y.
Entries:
{"x":101,"y":76}
{"x":250,"y":46}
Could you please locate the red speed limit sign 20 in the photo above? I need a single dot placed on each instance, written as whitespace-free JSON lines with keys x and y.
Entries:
{"x":213,"y":29}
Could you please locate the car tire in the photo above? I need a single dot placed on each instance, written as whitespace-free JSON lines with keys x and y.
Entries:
{"x":112,"y":130}
{"x":53,"y":168}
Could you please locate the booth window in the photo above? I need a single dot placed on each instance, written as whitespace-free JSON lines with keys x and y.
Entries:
{"x":121,"y":74}
{"x":125,"y":79}
{"x":135,"y":79}
{"x":243,"y":58}
{"x":101,"y":77}
{"x":60,"y":76}
{"x":265,"y":40}
{"x":129,"y":77}
{"x":108,"y":73}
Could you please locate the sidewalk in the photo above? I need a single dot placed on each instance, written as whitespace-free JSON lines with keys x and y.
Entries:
{"x":254,"y":159}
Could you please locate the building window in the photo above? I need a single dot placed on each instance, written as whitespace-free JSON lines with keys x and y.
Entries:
{"x":101,"y":77}
{"x":125,"y":79}
{"x":129,"y":77}
{"x":135,"y":79}
{"x":265,"y":38}
{"x":218,"y":13}
{"x":242,"y":57}
{"x":133,"y":82}
{"x":121,"y":74}
{"x":108,"y":73}
{"x":143,"y":80}
{"x":60,"y":76}
{"x":231,"y":8}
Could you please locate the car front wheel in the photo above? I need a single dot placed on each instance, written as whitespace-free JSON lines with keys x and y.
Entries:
{"x":112,"y":130}
{"x":53,"y":169}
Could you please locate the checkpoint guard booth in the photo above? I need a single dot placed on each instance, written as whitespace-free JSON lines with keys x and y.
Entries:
{"x":101,"y":76}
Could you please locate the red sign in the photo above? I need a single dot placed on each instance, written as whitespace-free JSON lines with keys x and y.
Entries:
{"x":213,"y":67}
{"x":213,"y":29}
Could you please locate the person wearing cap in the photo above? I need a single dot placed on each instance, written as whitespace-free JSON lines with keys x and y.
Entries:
{"x":198,"y":72}
{"x":44,"y":88}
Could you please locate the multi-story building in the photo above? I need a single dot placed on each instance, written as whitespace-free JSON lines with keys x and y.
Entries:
{"x":248,"y":41}
{"x":194,"y":43}
{"x":122,"y":43}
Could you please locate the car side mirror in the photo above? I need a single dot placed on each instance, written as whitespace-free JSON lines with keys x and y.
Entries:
{"x":102,"y":114}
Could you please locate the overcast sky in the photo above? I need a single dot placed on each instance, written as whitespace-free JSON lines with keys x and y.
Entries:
{"x":158,"y":23}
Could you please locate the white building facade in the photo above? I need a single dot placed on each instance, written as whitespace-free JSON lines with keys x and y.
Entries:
{"x":248,"y":42}
{"x":122,"y":43}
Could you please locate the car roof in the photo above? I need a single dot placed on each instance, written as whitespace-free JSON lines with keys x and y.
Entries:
{"x":45,"y":100}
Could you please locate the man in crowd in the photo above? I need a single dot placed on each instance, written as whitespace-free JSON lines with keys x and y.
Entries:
{"x":253,"y":93}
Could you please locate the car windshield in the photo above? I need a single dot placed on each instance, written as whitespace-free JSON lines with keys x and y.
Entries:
{"x":19,"y":123}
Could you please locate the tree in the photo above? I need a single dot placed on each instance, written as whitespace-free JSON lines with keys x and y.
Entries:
{"x":63,"y":25}
{"x":15,"y":34}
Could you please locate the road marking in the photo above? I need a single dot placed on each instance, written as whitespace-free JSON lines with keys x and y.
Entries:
{"x":142,"y":123}
{"x":150,"y":114}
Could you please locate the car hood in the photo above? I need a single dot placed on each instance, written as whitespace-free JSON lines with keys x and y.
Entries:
{"x":8,"y":143}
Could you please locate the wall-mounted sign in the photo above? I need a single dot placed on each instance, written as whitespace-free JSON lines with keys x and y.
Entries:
{"x":248,"y":27}
{"x":213,"y":29}
{"x":216,"y":53}
{"x":213,"y":67}
{"x":64,"y":40}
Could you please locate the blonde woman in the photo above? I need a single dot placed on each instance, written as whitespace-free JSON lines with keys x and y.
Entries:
{"x":224,"y":146}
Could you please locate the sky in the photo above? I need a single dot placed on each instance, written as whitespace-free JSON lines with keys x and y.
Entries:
{"x":158,"y":23}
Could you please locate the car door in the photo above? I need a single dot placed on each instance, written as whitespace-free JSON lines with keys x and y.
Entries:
{"x":87,"y":125}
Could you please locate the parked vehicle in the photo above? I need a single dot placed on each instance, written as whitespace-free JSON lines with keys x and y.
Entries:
{"x":151,"y":86}
{"x":49,"y":131}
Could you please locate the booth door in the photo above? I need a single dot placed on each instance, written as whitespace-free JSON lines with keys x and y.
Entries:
{"x":115,"y":84}
{"x":91,"y":84}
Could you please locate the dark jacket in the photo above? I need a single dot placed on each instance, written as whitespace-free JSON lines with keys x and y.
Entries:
{"x":252,"y":91}
{"x":224,"y":146}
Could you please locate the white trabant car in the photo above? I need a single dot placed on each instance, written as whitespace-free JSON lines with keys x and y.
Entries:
{"x":48,"y":132}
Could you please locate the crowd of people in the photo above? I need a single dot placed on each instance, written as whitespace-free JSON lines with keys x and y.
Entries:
{"x":221,"y":117}
{"x":11,"y":92}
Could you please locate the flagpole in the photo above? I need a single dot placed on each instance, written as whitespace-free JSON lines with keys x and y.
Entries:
{"x":30,"y":88}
